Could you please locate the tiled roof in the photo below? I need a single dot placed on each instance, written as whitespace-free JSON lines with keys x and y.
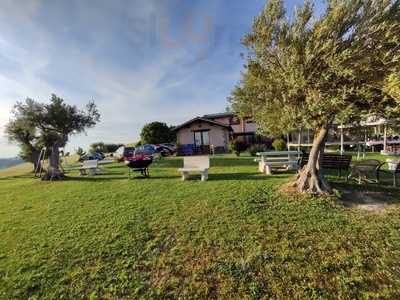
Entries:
{"x":219,"y":115}
{"x":203,"y":120}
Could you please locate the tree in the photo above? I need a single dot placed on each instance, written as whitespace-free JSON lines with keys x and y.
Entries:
{"x":104,"y":148}
{"x":80,"y":152}
{"x":49,"y":125}
{"x":311,"y":71}
{"x":22,"y":132}
{"x":237,"y":147}
{"x":157,"y":133}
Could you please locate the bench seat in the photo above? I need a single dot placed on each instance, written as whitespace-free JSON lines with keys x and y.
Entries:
{"x":195,"y":164}
{"x":89,"y":165}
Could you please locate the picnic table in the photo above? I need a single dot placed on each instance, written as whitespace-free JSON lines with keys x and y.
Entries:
{"x":273,"y":159}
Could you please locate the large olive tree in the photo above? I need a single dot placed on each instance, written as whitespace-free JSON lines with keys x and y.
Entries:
{"x":311,"y":70}
{"x":49,"y":125}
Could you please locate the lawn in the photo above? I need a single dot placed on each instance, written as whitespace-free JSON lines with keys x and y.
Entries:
{"x":235,"y":236}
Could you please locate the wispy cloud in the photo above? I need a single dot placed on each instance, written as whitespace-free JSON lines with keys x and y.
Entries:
{"x":139,"y":60}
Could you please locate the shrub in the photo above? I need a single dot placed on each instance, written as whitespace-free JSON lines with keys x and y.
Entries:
{"x":279,"y":145}
{"x":237,"y":147}
{"x":257,"y":148}
{"x":157,"y":133}
{"x":80,"y":151}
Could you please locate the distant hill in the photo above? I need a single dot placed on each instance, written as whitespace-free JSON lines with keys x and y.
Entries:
{"x":9,"y":162}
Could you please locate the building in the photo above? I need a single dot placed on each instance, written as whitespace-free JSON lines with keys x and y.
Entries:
{"x":215,"y":131}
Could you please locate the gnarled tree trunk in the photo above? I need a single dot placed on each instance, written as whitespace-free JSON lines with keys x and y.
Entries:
{"x":310,"y":178}
{"x":53,"y":172}
{"x":34,"y":159}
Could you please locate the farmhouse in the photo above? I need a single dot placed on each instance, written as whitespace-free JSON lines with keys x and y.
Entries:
{"x":215,"y":131}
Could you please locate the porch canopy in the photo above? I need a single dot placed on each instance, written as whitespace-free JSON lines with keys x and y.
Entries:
{"x":370,"y":133}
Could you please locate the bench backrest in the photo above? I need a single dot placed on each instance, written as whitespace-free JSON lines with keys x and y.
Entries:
{"x":330,"y":161}
{"x":90,"y":164}
{"x":371,"y":163}
{"x":279,"y":153}
{"x":194,"y":162}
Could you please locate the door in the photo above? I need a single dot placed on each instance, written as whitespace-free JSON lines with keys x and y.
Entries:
{"x":201,"y":138}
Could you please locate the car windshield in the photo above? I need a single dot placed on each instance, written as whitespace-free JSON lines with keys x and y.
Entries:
{"x":129,"y":151}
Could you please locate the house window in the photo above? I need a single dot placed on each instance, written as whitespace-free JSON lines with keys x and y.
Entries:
{"x":201,"y":138}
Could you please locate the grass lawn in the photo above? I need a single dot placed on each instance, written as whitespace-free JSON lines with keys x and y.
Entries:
{"x":235,"y":236}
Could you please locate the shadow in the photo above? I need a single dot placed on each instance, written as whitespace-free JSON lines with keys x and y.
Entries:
{"x":169,"y":163}
{"x":245,"y":176}
{"x":105,"y":173}
{"x":215,"y":161}
{"x":95,"y":178}
{"x":98,"y":178}
{"x":232,"y":162}
{"x":24,"y":176}
{"x":368,"y":197}
{"x":113,"y":166}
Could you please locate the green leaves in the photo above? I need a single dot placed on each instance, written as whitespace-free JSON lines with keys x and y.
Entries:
{"x":309,"y":70}
{"x":157,"y":133}
{"x":35,"y":125}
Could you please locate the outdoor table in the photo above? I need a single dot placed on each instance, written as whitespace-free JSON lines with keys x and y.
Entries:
{"x":269,"y":159}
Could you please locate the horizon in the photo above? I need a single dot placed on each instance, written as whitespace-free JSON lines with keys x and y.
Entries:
{"x":140,"y":62}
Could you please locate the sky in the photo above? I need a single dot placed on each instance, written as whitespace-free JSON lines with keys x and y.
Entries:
{"x":139,"y":60}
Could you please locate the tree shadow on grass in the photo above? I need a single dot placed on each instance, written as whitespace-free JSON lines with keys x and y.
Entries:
{"x":247,"y":176}
{"x":369,"y":197}
{"x":215,"y":161}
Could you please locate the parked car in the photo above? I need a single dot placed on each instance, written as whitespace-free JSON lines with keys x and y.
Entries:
{"x":92,"y":156}
{"x":170,"y":146}
{"x":164,"y":150}
{"x":153,"y":150}
{"x":128,"y":152}
{"x":146,"y":150}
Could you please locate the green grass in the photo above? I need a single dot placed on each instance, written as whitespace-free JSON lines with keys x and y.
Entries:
{"x":234,"y":236}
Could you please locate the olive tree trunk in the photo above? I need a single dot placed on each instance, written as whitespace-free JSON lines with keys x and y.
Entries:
{"x":310,"y":178}
{"x":53,"y":172}
{"x":34,"y":159}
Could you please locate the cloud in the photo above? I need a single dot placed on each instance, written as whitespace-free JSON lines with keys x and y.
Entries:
{"x":116,"y":53}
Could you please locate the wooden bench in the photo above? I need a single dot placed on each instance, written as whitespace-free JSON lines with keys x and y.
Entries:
{"x":276,"y":159}
{"x":197,"y":164}
{"x":330,"y":161}
{"x":90,"y":166}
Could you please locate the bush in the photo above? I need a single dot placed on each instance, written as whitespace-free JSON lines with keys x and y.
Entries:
{"x":101,"y":147}
{"x":237,"y":147}
{"x":80,"y":151}
{"x":279,"y":145}
{"x":257,"y":148}
{"x":157,"y":133}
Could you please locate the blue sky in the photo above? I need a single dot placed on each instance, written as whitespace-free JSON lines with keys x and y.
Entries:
{"x":140,"y":60}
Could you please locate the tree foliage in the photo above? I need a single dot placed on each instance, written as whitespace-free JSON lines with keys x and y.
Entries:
{"x":157,"y":133}
{"x":104,"y":148}
{"x":80,"y":152}
{"x":310,"y":71}
{"x":35,"y":125}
